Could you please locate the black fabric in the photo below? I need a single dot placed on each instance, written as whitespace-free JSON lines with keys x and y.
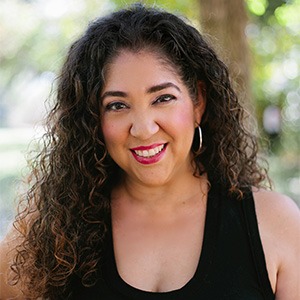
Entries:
{"x":255,"y":244}
{"x":231,"y":266}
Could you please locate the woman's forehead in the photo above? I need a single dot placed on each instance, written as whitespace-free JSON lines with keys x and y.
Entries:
{"x":125,"y":56}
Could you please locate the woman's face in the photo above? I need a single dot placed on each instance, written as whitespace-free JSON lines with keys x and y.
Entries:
{"x":148,"y":118}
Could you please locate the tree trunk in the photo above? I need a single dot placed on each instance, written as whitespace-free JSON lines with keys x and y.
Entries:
{"x":225,"y":21}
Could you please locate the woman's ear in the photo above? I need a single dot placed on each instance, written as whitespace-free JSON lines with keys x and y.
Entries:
{"x":200,"y":102}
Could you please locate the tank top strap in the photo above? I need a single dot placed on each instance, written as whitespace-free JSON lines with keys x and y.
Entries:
{"x":248,"y":207}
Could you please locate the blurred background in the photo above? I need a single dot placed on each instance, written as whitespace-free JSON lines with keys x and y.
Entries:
{"x":258,"y":39}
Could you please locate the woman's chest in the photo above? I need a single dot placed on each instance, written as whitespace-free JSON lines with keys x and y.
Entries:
{"x":226,"y":268}
{"x":158,"y":256}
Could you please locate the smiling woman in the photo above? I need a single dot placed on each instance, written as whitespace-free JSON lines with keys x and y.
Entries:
{"x":148,"y":119}
{"x":148,"y":186}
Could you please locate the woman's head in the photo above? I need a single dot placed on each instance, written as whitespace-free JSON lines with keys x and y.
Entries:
{"x":139,"y":28}
{"x":148,"y":118}
{"x":178,"y":44}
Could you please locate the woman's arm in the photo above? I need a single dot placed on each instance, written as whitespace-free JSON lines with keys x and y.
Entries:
{"x":279,"y":224}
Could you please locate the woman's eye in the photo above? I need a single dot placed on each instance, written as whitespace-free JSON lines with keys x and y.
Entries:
{"x":164,"y":98}
{"x":115,"y":106}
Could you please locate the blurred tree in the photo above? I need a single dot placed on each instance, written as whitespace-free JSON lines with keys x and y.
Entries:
{"x":225,"y":21}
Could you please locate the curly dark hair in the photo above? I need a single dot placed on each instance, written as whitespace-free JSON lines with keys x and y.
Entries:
{"x":68,"y":205}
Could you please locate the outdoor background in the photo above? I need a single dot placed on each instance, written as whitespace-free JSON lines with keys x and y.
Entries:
{"x":258,"y":39}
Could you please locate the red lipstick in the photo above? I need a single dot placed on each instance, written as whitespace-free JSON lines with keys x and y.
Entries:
{"x":141,"y":148}
{"x":143,"y":155}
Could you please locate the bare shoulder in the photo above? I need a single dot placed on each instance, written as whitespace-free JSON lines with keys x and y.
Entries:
{"x":277,"y":213}
{"x":7,"y":253}
{"x":276,"y":207}
{"x":279,"y":224}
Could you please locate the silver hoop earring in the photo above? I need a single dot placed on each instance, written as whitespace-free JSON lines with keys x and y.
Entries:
{"x":200,"y":139}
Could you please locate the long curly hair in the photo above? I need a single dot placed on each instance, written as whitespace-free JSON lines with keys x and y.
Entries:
{"x":65,"y":214}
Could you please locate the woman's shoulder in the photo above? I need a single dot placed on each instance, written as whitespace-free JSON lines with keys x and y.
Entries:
{"x":7,"y":253}
{"x":279,"y":216}
{"x":276,"y":209}
{"x":278,"y":219}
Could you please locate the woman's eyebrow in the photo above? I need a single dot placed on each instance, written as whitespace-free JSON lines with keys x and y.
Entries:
{"x":153,"y":89}
{"x":113,"y":94}
{"x":159,"y":87}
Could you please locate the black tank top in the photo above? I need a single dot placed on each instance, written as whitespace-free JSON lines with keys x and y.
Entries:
{"x":231,"y":266}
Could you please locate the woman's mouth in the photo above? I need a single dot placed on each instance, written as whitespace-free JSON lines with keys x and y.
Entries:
{"x":149,"y":154}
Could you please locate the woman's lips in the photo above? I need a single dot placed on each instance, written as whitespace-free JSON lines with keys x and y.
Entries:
{"x":149,"y":154}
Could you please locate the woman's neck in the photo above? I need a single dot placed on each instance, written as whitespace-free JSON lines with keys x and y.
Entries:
{"x":163,"y":197}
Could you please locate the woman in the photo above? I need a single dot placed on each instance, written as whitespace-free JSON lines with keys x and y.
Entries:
{"x":144,"y":187}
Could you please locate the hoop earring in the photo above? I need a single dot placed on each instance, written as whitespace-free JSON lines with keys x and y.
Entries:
{"x":200,"y":139}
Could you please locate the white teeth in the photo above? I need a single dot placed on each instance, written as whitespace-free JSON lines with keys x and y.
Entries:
{"x":152,"y":152}
{"x":149,"y":153}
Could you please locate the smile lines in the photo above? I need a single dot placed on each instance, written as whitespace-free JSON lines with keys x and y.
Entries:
{"x":149,"y":153}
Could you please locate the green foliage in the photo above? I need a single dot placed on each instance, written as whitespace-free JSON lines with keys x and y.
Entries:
{"x":187,"y":8}
{"x":274,"y":41}
{"x":257,"y":7}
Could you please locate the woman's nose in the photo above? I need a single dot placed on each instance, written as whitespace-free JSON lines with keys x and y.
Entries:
{"x":143,"y":126}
